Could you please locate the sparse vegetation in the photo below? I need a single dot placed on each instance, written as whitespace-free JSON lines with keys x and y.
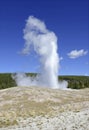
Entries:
{"x":23,"y":103}
{"x":74,"y":82}
{"x":7,"y":122}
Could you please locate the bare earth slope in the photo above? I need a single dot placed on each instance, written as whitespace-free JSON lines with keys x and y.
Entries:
{"x":35,"y":108}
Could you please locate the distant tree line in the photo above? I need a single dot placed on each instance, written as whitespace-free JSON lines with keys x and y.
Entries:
{"x":74,"y":82}
{"x":6,"y":81}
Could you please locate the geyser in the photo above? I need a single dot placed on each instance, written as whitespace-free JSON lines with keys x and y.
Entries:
{"x":44,"y":43}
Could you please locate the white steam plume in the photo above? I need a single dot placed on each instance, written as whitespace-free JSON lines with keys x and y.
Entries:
{"x":44,"y":43}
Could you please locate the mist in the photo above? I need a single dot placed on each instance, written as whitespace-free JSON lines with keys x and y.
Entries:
{"x":44,"y":42}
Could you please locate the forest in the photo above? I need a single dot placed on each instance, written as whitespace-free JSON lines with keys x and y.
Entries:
{"x":74,"y":82}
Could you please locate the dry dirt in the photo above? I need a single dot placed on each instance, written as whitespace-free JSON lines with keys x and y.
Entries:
{"x":35,"y":108}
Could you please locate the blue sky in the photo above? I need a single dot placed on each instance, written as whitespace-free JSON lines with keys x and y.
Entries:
{"x":68,"y":19}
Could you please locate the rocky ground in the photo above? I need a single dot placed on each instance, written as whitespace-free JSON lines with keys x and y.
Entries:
{"x":35,"y":108}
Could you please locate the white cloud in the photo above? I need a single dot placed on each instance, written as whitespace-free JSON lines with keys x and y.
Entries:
{"x":77,"y":53}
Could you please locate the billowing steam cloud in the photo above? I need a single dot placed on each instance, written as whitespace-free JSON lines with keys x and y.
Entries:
{"x":44,"y":43}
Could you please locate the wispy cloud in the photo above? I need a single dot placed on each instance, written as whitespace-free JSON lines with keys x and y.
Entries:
{"x":86,"y":74}
{"x":60,"y":58}
{"x":77,"y":53}
{"x":87,"y":63}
